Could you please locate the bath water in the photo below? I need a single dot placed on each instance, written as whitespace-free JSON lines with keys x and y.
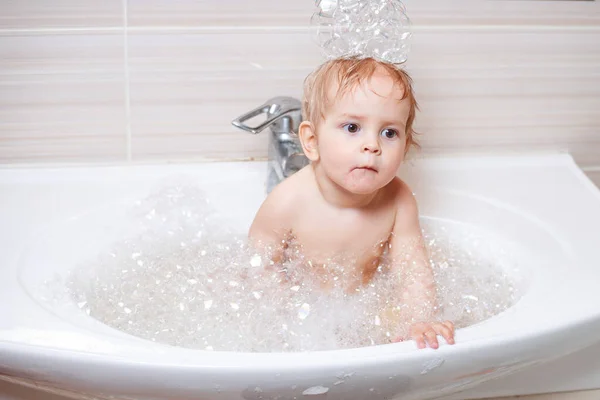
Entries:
{"x":188,"y":280}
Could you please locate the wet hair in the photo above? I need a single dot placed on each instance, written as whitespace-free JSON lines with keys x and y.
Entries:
{"x":347,"y":74}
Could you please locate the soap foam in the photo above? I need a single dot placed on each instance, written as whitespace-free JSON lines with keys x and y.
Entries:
{"x":187,"y":280}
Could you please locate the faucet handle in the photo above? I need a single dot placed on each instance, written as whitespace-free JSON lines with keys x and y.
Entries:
{"x":275,"y":109}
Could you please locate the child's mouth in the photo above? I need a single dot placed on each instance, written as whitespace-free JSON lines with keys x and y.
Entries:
{"x":366,"y":168}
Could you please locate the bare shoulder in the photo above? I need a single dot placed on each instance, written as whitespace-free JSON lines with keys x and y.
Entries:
{"x":403,"y":197}
{"x":283,"y":198}
{"x":407,"y":211}
{"x":274,"y":217}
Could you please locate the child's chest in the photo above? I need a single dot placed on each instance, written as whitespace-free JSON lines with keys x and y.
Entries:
{"x":346,"y":233}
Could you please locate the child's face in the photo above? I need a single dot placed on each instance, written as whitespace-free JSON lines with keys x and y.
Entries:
{"x":362,"y":139}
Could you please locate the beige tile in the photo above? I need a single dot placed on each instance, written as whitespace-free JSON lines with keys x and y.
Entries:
{"x":424,"y":13}
{"x":581,"y":395}
{"x":495,"y":91}
{"x":508,"y":91}
{"x":594,"y":175}
{"x":214,"y":13}
{"x":186,"y":89}
{"x":222,"y":52}
{"x":476,"y":12}
{"x":62,"y":98}
{"x":13,"y":391}
{"x":39,"y":14}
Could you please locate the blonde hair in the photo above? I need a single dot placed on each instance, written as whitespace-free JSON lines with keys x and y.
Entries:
{"x":348,"y":73}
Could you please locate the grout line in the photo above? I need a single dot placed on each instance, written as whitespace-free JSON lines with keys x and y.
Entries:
{"x":11,"y":31}
{"x":507,"y":28}
{"x":415,"y":28}
{"x":588,"y":28}
{"x":127,"y":83}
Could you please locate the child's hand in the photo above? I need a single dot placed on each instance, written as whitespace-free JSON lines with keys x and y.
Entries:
{"x":426,"y":333}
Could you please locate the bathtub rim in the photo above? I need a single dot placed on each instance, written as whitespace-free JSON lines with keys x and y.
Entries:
{"x":563,"y":159}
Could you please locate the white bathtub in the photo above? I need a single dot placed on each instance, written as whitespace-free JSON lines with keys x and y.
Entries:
{"x":51,"y":218}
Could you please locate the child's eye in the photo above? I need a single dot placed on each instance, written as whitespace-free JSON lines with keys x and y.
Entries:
{"x":351,"y":128}
{"x":389,"y":133}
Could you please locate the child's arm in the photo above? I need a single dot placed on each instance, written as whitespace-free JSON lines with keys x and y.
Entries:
{"x":409,"y":258}
{"x":268,"y":230}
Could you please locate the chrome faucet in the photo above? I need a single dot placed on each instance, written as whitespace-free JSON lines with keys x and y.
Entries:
{"x":284,"y":115}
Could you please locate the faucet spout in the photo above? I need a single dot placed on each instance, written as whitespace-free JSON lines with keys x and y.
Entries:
{"x":283,"y":117}
{"x":275,"y":109}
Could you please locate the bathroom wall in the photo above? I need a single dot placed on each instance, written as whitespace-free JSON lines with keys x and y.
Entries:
{"x":160,"y":80}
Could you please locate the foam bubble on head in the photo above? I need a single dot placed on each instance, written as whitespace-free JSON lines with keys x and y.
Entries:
{"x":362,"y":28}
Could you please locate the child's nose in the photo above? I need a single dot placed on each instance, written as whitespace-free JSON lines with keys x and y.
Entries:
{"x":372,"y":147}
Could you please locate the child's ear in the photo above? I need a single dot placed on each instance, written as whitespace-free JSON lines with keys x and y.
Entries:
{"x":308,"y":138}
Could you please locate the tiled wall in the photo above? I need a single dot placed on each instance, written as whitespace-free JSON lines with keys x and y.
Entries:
{"x":154,"y":80}
{"x":594,"y":174}
{"x":62,"y":81}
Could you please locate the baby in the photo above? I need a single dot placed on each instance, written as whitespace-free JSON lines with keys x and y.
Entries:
{"x":348,"y":201}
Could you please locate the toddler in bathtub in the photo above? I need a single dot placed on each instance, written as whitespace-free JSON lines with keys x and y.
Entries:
{"x":357,"y":130}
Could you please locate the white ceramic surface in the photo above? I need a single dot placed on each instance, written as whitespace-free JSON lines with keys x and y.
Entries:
{"x":52,"y":218}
